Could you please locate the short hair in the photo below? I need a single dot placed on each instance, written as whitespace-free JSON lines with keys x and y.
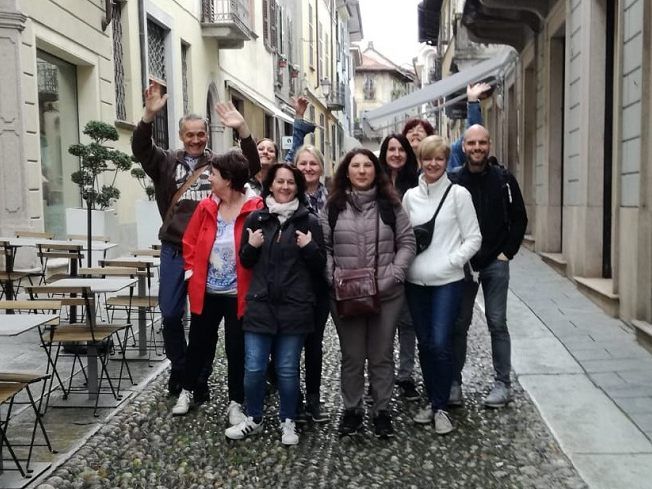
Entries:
{"x":415,"y":121}
{"x":234,"y":167}
{"x":309,"y":148}
{"x":433,"y":145}
{"x":192,"y":117}
{"x":271,"y":141}
{"x":299,"y":179}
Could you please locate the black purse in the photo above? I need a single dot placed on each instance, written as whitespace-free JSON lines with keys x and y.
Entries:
{"x":424,"y":232}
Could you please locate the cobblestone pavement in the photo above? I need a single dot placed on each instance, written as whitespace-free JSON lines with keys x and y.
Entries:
{"x":144,"y":447}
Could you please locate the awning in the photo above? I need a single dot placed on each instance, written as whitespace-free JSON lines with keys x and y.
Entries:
{"x":374,"y":120}
{"x":267,"y":105}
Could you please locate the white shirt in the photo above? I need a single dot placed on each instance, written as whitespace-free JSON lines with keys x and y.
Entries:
{"x":456,"y":237}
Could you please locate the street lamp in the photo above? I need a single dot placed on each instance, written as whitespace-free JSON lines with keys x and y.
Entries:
{"x":325,"y":84}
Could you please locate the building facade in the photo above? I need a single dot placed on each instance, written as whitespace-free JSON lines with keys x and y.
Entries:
{"x":73,"y":61}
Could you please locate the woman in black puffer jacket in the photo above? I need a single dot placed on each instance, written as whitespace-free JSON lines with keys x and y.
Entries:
{"x":282,"y":243}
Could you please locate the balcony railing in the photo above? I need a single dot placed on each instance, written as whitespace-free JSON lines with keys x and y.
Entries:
{"x":337,"y":98}
{"x":228,"y":21}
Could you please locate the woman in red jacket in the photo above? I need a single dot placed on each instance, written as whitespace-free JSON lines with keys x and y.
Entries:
{"x":217,"y":283}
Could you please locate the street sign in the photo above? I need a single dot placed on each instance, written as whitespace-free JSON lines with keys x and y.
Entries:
{"x":286,"y":142}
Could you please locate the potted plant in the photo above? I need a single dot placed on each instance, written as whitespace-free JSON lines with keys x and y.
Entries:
{"x":96,"y":159}
{"x":148,"y":218}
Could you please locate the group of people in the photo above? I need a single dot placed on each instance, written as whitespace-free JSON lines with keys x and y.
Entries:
{"x":257,"y":243}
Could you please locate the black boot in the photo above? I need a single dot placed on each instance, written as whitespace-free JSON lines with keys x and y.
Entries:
{"x":313,"y":408}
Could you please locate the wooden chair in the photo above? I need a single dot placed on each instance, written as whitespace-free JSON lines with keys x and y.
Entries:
{"x":89,"y":338}
{"x":57,"y":255}
{"x":34,"y":234}
{"x":10,"y":279}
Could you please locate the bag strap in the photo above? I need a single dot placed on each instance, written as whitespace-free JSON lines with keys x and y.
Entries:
{"x":431,"y":222}
{"x":186,"y":185}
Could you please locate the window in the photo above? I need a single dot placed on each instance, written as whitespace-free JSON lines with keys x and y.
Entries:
{"x":239,"y":106}
{"x":320,"y":49}
{"x":118,"y":64}
{"x":327,"y":57}
{"x":333,"y":141}
{"x":322,"y":133}
{"x":269,"y":127}
{"x":369,"y":87}
{"x":270,"y":27}
{"x":184,"y":77}
{"x":311,"y":39}
{"x":156,"y":63}
{"x":59,"y":128}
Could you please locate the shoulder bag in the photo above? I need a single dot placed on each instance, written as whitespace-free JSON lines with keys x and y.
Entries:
{"x":356,"y":289}
{"x":424,"y":232}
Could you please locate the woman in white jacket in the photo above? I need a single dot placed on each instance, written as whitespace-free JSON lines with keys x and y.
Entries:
{"x":435,"y":278}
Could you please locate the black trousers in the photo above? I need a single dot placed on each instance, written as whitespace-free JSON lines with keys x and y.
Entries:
{"x":202,"y":342}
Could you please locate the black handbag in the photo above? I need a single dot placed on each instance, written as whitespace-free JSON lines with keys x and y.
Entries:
{"x":424,"y":232}
{"x":356,"y":289}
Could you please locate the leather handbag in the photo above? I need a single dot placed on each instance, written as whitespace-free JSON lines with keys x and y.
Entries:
{"x":424,"y":232}
{"x":356,"y":289}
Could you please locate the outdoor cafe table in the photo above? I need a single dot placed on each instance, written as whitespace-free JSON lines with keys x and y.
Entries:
{"x":141,"y":263}
{"x":97,"y":285}
{"x":15,"y":324}
{"x":30,"y":242}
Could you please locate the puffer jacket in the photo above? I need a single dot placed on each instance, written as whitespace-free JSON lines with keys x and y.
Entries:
{"x":353,"y":242}
{"x":281,"y":297}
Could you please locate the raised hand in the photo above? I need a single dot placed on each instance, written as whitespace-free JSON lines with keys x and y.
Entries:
{"x":155,"y":100}
{"x":230,"y":117}
{"x":474,"y":91}
{"x":300,"y":105}
{"x":303,"y":239}
{"x":256,"y":238}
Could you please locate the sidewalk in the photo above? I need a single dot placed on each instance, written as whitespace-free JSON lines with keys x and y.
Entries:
{"x":590,"y":380}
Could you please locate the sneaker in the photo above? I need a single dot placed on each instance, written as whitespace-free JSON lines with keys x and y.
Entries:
{"x":408,"y":390}
{"x":302,"y":417}
{"x":500,"y":396}
{"x":313,"y":409}
{"x":424,"y":416}
{"x":289,"y":434}
{"x":383,"y":425}
{"x":244,"y":429}
{"x":351,"y":422}
{"x":183,"y":404}
{"x":234,"y":413}
{"x":201,"y":395}
{"x":443,"y":423}
{"x":455,"y":398}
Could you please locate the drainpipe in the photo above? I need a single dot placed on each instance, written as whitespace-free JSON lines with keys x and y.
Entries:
{"x":108,"y":14}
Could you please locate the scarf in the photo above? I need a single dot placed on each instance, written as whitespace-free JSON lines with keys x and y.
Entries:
{"x":282,"y":211}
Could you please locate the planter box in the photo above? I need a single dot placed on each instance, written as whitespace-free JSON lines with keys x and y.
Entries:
{"x":148,"y":223}
{"x":103,"y":223}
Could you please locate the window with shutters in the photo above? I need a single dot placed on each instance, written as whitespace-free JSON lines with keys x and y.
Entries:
{"x":320,"y":49}
{"x":322,"y":133}
{"x":369,"y":87}
{"x":273,"y":24}
{"x":184,"y":77}
{"x":311,"y":38}
{"x":327,"y":57}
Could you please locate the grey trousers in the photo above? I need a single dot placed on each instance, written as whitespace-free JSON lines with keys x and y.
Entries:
{"x":406,"y":343}
{"x":371,"y":340}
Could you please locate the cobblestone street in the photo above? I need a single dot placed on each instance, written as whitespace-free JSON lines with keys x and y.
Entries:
{"x":144,"y":446}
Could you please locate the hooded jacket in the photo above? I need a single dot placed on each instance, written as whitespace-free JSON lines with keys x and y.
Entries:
{"x":353,"y":242}
{"x":197,"y":246}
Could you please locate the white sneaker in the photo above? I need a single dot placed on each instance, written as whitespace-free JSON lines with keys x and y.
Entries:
{"x":244,"y":429}
{"x":443,"y":423}
{"x":424,"y":416}
{"x":500,"y":396}
{"x":289,"y":434}
{"x":183,"y":404}
{"x":234,"y":413}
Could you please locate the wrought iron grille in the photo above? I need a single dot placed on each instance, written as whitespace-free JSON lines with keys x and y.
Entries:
{"x":184,"y":77}
{"x":118,"y":65}
{"x":156,"y":50}
{"x":48,"y":87}
{"x":217,"y":11}
{"x":156,"y":62}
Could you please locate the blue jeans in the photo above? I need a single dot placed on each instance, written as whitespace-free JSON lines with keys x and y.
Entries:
{"x":494,"y":279}
{"x":287,"y":354}
{"x":172,"y":293}
{"x":434,"y":310}
{"x":300,"y":128}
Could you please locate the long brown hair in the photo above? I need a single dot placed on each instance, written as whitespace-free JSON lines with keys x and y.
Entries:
{"x":342,"y":185}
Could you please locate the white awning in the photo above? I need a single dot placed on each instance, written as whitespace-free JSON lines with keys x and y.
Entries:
{"x":374,"y":120}
{"x":267,"y":105}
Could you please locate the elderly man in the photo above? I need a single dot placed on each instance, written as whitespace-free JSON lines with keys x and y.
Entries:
{"x":502,"y":217}
{"x":180,"y":182}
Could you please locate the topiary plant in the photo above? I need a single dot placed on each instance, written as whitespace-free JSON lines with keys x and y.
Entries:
{"x":145,"y":182}
{"x":95,"y":159}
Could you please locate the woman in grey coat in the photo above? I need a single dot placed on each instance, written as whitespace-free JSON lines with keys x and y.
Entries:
{"x":362,"y":195}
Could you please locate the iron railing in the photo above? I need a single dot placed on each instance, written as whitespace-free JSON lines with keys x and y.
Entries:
{"x":226,"y":11}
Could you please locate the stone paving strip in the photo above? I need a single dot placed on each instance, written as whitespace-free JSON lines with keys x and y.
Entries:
{"x":144,"y":447}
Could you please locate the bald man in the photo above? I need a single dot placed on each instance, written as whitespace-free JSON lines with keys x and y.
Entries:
{"x":501,"y":213}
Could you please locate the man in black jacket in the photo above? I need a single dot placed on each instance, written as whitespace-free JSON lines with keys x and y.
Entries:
{"x":501,"y":213}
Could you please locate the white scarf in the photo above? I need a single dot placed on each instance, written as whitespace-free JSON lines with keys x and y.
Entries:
{"x":282,"y":211}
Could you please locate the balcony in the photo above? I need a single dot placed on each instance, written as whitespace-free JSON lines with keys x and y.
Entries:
{"x":337,"y":98}
{"x":228,"y":21}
